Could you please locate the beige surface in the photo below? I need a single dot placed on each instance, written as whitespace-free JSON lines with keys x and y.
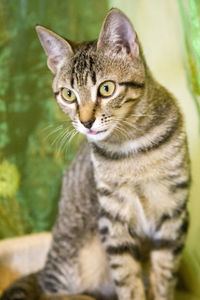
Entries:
{"x":21,"y":256}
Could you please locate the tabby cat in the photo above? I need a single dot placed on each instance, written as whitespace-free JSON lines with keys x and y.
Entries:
{"x":122,"y":219}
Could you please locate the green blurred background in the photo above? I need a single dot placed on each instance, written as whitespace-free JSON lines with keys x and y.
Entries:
{"x":33,"y":149}
{"x":30,"y":122}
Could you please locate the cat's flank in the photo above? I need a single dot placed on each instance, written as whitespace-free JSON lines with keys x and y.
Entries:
{"x":123,"y":200}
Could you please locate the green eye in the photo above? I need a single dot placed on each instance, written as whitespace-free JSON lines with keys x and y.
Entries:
{"x":107,"y":88}
{"x":68,"y":95}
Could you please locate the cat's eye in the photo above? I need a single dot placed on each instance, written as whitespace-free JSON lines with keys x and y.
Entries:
{"x":106,"y":89}
{"x":68,"y":95}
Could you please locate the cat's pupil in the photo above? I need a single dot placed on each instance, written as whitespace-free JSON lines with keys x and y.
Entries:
{"x":69,"y":93}
{"x":106,"y":88}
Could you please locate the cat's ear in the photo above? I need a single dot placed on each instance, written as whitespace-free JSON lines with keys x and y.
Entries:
{"x":118,"y":34}
{"x":56,"y":48}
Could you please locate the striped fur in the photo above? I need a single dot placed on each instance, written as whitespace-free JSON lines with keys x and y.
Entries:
{"x":123,"y":200}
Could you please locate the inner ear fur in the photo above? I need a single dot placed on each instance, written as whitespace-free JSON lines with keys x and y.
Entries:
{"x":56,"y":48}
{"x":117,"y":34}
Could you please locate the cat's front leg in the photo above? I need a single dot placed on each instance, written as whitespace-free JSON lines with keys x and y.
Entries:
{"x":123,"y":255}
{"x":165,"y":256}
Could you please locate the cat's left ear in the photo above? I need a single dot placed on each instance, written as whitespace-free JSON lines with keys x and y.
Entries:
{"x":118,"y":34}
{"x":56,"y":48}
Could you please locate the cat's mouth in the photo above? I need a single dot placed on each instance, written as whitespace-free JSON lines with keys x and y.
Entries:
{"x":94,"y":132}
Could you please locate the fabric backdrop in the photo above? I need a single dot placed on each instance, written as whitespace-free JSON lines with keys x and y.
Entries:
{"x":33,"y":131}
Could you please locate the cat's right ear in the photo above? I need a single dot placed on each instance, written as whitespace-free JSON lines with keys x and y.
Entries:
{"x":118,"y":35}
{"x":56,"y":48}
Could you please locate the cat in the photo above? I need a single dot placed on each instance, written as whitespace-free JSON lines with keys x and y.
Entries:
{"x":122,"y":219}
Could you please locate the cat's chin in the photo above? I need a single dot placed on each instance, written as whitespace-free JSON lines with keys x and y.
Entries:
{"x":98,"y":136}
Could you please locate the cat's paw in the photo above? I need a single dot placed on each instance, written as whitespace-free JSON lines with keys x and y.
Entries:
{"x":25,"y":288}
{"x":14,"y":294}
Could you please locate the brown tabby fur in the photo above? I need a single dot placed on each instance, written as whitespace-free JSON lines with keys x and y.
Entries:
{"x":123,"y":201}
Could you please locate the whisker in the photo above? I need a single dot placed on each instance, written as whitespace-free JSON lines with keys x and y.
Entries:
{"x":129,"y":124}
{"x":59,"y":137}
{"x":46,"y":128}
{"x":49,"y":127}
{"x":132,"y":126}
{"x":126,"y":136}
{"x":140,"y":115}
{"x":121,"y":131}
{"x":121,"y":128}
{"x":54,"y":131}
{"x":73,"y":134}
{"x":63,"y":139}
{"x":67,"y":121}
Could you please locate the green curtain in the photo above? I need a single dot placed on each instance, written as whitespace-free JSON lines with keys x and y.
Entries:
{"x":190,"y":13}
{"x":33,"y":147}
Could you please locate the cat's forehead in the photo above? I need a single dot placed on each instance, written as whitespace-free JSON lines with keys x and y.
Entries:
{"x":84,"y":65}
{"x":80,"y":70}
{"x":89,"y":67}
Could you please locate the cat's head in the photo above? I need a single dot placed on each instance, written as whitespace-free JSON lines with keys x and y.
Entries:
{"x":97,"y":83}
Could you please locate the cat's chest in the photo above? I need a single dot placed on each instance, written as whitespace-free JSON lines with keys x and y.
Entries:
{"x":125,"y":203}
{"x":132,"y":170}
{"x":127,"y":191}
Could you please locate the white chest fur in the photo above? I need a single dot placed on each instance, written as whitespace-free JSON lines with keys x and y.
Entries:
{"x":124,"y":203}
{"x":135,"y":195}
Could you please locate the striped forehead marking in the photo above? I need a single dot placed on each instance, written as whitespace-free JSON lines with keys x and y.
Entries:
{"x":83,"y":67}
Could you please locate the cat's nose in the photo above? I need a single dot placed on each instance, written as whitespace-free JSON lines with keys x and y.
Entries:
{"x":88,"y":124}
